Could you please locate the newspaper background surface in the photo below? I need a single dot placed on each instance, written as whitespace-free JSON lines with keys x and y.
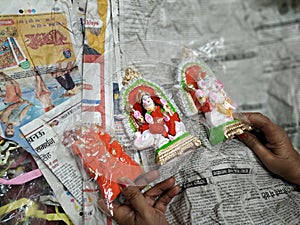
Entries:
{"x":260,"y":42}
{"x":258,"y":64}
{"x":223,"y":184}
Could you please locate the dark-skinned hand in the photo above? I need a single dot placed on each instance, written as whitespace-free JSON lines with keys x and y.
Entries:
{"x":274,"y":149}
{"x":148,"y":208}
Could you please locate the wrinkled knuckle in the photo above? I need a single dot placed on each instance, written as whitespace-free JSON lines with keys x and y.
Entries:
{"x":262,"y":117}
{"x":266,"y":120}
{"x":131,"y":194}
{"x":251,"y":141}
{"x":256,"y":114}
{"x":259,"y":114}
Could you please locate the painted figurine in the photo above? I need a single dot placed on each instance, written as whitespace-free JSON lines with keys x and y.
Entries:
{"x":153,"y":119}
{"x":209,"y":97}
{"x":158,"y":124}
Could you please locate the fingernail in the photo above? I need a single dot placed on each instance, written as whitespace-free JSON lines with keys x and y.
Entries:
{"x":242,"y":136}
{"x":124,"y":182}
{"x":123,"y":186}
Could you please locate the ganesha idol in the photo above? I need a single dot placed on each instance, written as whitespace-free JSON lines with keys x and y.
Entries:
{"x":153,"y":119}
{"x":202,"y":92}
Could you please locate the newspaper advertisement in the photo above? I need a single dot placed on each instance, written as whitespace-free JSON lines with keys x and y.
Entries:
{"x":94,"y":15}
{"x":258,"y":65}
{"x":40,"y":70}
{"x":39,"y":67}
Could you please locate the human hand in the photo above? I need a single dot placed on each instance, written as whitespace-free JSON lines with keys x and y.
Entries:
{"x":276,"y":152}
{"x":148,"y":208}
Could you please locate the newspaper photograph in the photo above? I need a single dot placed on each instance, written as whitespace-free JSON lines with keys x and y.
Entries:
{"x":39,"y":69}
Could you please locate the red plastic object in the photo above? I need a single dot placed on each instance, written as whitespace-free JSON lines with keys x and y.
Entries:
{"x":105,"y":161}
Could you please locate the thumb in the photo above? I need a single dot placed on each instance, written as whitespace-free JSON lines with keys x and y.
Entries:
{"x":263,"y":153}
{"x":133,"y":195}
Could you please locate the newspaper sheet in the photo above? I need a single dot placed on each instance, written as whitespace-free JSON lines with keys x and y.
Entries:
{"x":73,"y":188}
{"x":260,"y":40}
{"x":64,"y":197}
{"x":95,"y":18}
{"x":40,"y":70}
{"x":39,"y":65}
{"x":258,"y":65}
{"x":227,"y":184}
{"x":97,"y":61}
{"x":45,"y":135}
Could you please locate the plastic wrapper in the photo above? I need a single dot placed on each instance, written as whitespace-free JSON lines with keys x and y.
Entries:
{"x":153,"y":120}
{"x":202,"y":92}
{"x":103,"y":159}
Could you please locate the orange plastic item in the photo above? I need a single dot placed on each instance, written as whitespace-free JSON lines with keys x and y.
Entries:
{"x":105,"y":161}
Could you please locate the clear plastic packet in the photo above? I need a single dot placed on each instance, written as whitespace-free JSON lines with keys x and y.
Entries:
{"x":104,"y":160}
{"x":152,"y":120}
{"x":202,"y":92}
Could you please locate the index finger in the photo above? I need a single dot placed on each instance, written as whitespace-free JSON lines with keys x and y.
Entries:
{"x":133,"y":195}
{"x":271,"y":131}
{"x":160,"y":188}
{"x":147,"y":178}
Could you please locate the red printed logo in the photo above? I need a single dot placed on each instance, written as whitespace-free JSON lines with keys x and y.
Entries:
{"x":6,"y":22}
{"x":54,"y":37}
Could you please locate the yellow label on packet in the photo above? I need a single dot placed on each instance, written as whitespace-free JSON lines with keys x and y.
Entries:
{"x":43,"y":38}
{"x":97,"y":40}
